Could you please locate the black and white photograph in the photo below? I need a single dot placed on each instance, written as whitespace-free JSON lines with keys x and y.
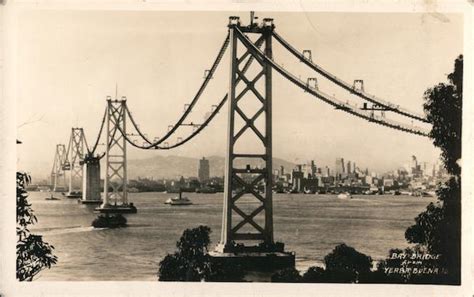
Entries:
{"x":236,"y":144}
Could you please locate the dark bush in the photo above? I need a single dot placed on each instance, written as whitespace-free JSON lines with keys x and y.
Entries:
{"x":345,"y":264}
{"x":315,"y":274}
{"x":32,"y":253}
{"x":288,"y":275}
{"x":192,"y":263}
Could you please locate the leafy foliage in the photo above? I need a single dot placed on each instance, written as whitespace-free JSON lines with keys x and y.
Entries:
{"x":192,"y":263}
{"x":315,"y":274}
{"x":288,"y":275}
{"x":346,"y":264}
{"x":426,"y":228}
{"x":438,"y":228}
{"x":32,"y":253}
{"x":194,"y":242}
{"x":343,"y":265}
{"x":443,"y":107}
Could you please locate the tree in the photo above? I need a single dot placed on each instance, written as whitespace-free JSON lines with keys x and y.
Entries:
{"x":345,"y":264}
{"x":443,"y":108}
{"x":288,"y":275}
{"x":315,"y":274}
{"x":438,"y":228}
{"x":192,"y":263}
{"x":32,"y":253}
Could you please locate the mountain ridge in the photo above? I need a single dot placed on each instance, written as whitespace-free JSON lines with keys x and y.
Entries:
{"x":176,"y":166}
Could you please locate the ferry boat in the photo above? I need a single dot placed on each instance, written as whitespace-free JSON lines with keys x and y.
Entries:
{"x":178,"y":200}
{"x":345,"y":195}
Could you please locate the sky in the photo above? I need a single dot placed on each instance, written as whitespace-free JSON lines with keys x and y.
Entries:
{"x":69,"y":61}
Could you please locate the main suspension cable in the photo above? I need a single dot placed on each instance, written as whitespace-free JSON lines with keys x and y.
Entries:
{"x":91,"y":152}
{"x":247,"y":65}
{"x":324,"y":97}
{"x":358,"y":92}
{"x":190,"y":106}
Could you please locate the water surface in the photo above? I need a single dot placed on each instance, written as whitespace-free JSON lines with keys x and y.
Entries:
{"x":310,"y":225}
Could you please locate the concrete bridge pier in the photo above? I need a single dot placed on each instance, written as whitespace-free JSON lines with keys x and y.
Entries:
{"x":91,"y":181}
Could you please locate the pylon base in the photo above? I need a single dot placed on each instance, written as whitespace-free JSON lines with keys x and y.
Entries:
{"x":89,"y":201}
{"x":125,"y":208}
{"x":267,"y":262}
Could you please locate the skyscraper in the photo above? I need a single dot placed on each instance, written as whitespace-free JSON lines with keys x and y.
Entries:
{"x":313,"y":168}
{"x":340,"y":168}
{"x":203,"y":171}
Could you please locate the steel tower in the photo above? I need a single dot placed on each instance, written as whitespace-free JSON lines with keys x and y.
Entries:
{"x":58,"y":175}
{"x":244,"y":182}
{"x":115,"y":187}
{"x":75,"y":153}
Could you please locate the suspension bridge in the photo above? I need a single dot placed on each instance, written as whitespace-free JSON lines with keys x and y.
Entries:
{"x":247,"y":228}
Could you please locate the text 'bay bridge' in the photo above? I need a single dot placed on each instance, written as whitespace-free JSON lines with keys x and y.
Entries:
{"x":247,"y":228}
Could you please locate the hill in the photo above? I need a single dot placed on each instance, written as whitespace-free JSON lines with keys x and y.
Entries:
{"x":176,"y":166}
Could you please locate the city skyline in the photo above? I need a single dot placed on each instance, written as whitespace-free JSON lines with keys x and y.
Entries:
{"x":217,"y":171}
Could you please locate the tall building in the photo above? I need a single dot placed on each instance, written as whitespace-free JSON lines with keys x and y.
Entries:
{"x":340,"y":168}
{"x":203,"y":171}
{"x":349,"y":169}
{"x":313,"y":168}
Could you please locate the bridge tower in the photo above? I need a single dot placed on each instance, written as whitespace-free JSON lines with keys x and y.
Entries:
{"x":115,"y":198}
{"x":247,"y":223}
{"x":76,"y":150}
{"x":58,"y":175}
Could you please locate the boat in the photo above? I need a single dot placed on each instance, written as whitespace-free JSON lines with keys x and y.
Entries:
{"x":345,"y":195}
{"x":117,"y":209}
{"x":180,"y":200}
{"x":51,"y":198}
{"x":112,"y":221}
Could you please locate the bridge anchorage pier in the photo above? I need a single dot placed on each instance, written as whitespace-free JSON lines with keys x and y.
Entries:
{"x":247,"y":222}
{"x":91,"y":180}
{"x":115,"y":198}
